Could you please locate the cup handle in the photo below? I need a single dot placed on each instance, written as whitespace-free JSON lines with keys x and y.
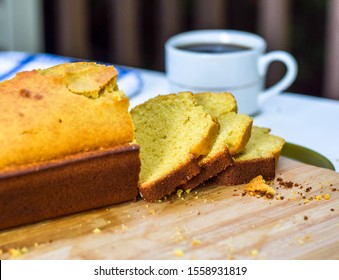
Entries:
{"x":286,"y":81}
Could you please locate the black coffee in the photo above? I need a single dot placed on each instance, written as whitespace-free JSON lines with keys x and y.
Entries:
{"x":213,"y":48}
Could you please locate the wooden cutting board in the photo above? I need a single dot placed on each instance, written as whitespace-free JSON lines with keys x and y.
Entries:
{"x":211,"y":222}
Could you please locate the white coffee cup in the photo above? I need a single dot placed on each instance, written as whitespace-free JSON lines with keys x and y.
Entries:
{"x":241,"y":72}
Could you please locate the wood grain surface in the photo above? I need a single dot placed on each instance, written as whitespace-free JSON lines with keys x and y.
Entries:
{"x":211,"y":222}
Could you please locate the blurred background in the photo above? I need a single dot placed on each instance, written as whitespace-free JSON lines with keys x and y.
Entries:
{"x":133,"y":32}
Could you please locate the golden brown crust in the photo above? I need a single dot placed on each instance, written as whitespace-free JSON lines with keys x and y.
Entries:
{"x":242,"y":172}
{"x":209,"y":169}
{"x":167,"y":184}
{"x":76,"y":183}
{"x":48,"y":114}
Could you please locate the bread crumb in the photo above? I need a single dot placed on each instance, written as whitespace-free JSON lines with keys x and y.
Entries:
{"x":16,"y":252}
{"x":179,"y":192}
{"x":304,"y":239}
{"x":124,"y":227}
{"x":326,"y":196}
{"x":317,"y":197}
{"x":196,"y":242}
{"x":179,"y":236}
{"x":279,"y":197}
{"x":254,"y":252}
{"x":96,"y":230}
{"x":188,"y":191}
{"x":178,"y":252}
{"x":258,"y":187}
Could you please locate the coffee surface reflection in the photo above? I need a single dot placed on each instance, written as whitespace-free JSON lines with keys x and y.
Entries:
{"x":216,"y":48}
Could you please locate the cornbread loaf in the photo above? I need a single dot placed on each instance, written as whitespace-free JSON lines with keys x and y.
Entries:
{"x":234,"y":133}
{"x":173,"y":131}
{"x":67,"y":143}
{"x":67,"y":109}
{"x":259,"y":157}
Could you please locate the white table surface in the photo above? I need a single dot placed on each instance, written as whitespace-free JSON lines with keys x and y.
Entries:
{"x":308,"y":121}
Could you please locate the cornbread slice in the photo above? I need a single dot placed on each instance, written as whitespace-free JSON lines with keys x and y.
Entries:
{"x":259,"y":157}
{"x":60,"y":111}
{"x":173,"y":131}
{"x":234,"y":133}
{"x":217,"y":103}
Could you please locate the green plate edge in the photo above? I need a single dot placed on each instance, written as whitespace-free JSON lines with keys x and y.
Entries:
{"x":306,"y":155}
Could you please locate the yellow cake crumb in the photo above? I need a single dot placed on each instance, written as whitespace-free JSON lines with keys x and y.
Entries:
{"x":303,"y":239}
{"x":254,"y":252}
{"x":96,"y":230}
{"x":318,"y":197}
{"x":178,"y":252}
{"x":179,"y":236}
{"x":258,"y":187}
{"x":196,"y":242}
{"x":179,"y":192}
{"x":326,"y":196}
{"x":15,"y":252}
{"x":24,"y":250}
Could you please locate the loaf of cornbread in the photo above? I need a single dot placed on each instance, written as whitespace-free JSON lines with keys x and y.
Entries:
{"x":234,"y":133}
{"x":259,"y":157}
{"x":173,"y":131}
{"x":67,"y":143}
{"x":63,"y":110}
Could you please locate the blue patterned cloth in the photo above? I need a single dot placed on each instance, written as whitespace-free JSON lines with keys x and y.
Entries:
{"x":129,"y":80}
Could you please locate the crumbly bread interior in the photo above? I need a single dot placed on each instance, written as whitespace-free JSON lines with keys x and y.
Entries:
{"x":262,"y":144}
{"x":235,"y":129}
{"x":171,"y":131}
{"x":63,"y":110}
{"x":217,"y":103}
